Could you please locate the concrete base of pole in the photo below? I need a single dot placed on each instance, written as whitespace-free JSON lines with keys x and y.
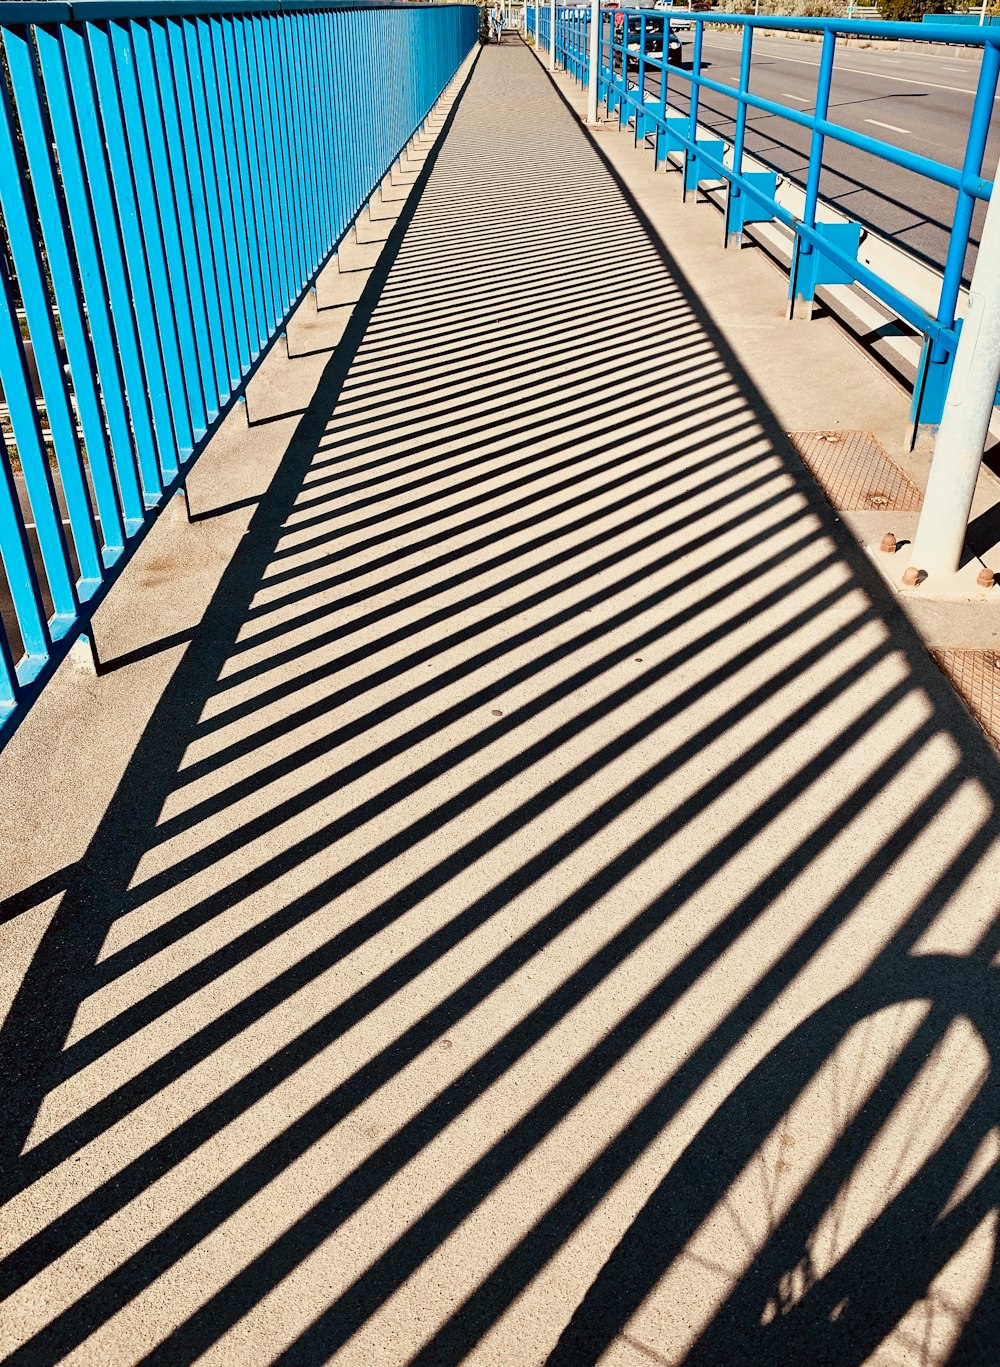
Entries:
{"x":921,"y":436}
{"x":959,"y":587}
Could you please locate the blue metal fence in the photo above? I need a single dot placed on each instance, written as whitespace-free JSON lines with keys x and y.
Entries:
{"x":975,"y":19}
{"x":823,"y":252}
{"x":172,"y":179}
{"x":539,"y":23}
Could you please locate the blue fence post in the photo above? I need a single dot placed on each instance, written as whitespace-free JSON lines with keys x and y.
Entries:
{"x":690,"y":161}
{"x":622,"y":83}
{"x":162,"y":222}
{"x":152,"y":241}
{"x":639,"y":127}
{"x":52,"y":217}
{"x":802,"y":285}
{"x":659,"y":122}
{"x":15,"y":378}
{"x":98,"y":294}
{"x":734,"y":219}
{"x":22,"y":581}
{"x":29,"y":268}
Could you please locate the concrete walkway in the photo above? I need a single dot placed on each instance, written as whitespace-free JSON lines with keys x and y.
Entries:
{"x":546,"y":910}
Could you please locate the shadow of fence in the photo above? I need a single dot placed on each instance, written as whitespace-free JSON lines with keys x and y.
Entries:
{"x":552,"y":908}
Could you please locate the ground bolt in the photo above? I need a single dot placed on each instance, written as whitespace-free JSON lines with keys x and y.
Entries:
{"x":911,"y":575}
{"x":985,"y":578}
{"x":888,"y":544}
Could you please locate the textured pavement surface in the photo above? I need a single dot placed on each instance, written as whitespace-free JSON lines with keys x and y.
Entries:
{"x":547,"y":911}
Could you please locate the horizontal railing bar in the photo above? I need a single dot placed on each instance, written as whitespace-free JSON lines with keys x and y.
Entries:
{"x":16,"y":12}
{"x":938,"y":171}
{"x":860,"y":28}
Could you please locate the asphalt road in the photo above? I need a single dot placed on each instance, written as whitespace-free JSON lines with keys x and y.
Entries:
{"x":917,"y":100}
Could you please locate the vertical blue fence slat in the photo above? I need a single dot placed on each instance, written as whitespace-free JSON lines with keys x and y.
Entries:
{"x":22,"y":581}
{"x":171,"y":180}
{"x":175,"y":171}
{"x":92,"y":208}
{"x":114,"y":147}
{"x":18,"y":388}
{"x":29,"y":269}
{"x":95,"y":295}
{"x":55,"y":234}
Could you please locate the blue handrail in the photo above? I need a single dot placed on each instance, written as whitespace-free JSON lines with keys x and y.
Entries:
{"x":822,"y":252}
{"x":173,"y":177}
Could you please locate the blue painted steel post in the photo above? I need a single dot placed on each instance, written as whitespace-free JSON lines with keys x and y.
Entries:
{"x":101,"y":255}
{"x":22,"y":581}
{"x":15,"y":378}
{"x":802,"y":247}
{"x":169,"y":324}
{"x":639,"y":127}
{"x":30,"y":274}
{"x":659,"y":153}
{"x":734,"y":232}
{"x":68,"y":296}
{"x":165,"y":226}
{"x":699,"y":29}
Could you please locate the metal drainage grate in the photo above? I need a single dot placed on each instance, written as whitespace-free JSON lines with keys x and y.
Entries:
{"x":855,"y":473}
{"x":976,"y":676}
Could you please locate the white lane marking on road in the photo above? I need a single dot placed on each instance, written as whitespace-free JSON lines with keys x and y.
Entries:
{"x":789,"y":96}
{"x":884,"y":76}
{"x":893,"y":128}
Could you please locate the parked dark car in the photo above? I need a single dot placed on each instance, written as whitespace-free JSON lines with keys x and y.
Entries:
{"x":655,"y":28}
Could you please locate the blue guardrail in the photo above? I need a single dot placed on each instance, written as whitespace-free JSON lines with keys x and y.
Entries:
{"x":172,"y":179}
{"x":823,"y":252}
{"x":974,"y":19}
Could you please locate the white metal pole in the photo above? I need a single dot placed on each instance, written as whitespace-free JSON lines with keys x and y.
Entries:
{"x":552,"y":35}
{"x":958,"y":451}
{"x":595,"y":47}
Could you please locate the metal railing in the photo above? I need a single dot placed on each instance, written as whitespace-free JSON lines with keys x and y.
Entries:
{"x":172,"y":180}
{"x":823,"y":252}
{"x":975,"y":19}
{"x":538,"y":22}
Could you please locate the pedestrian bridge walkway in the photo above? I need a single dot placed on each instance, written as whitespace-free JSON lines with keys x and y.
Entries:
{"x":544,"y":905}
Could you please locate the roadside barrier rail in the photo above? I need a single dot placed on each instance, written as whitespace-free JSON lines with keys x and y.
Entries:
{"x":538,"y":21}
{"x":975,"y":19}
{"x":823,"y":252}
{"x":172,"y":180}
